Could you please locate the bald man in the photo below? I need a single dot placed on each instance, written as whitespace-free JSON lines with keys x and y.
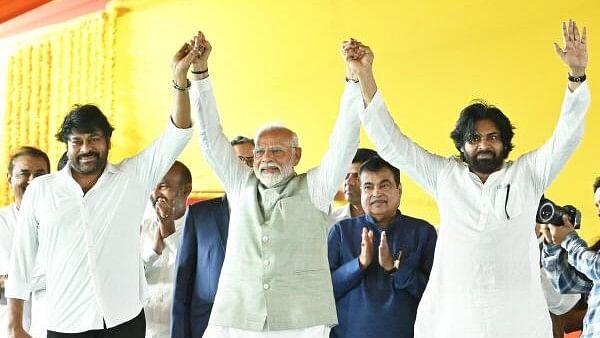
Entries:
{"x":161,"y":237}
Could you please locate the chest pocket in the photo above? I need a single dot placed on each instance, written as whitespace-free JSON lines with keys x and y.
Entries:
{"x":508,"y":201}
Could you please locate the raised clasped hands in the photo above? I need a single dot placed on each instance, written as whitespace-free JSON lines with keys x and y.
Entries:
{"x":358,"y":58}
{"x":200,"y":62}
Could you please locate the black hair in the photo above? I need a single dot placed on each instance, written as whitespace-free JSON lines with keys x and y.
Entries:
{"x":480,"y":110}
{"x":363,"y":154}
{"x":62,"y":161}
{"x":27,"y":151}
{"x":596,"y":184}
{"x":241,"y":140}
{"x":85,"y":118}
{"x":376,"y":163}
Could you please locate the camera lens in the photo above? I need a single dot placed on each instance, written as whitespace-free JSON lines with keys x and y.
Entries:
{"x":546,"y":212}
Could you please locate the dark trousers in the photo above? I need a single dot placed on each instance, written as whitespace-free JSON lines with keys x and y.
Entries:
{"x":135,"y":328}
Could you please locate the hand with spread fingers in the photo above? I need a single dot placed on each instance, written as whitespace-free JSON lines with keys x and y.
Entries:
{"x":574,"y":54}
{"x":366,"y":249}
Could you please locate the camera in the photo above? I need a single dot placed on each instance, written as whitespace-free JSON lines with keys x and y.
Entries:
{"x":550,"y":213}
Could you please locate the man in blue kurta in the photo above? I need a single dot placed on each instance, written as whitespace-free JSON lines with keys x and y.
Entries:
{"x":380,"y":262}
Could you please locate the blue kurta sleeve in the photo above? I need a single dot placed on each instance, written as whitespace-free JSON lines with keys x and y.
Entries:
{"x":413,"y":273}
{"x":344,"y":275}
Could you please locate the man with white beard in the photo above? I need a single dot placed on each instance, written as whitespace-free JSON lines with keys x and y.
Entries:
{"x":275,"y":280}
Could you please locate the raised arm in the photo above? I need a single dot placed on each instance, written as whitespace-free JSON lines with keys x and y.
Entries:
{"x":325,"y":179}
{"x":151,"y":164}
{"x":181,"y":102}
{"x":392,"y":145}
{"x":547,"y":161}
{"x":574,"y":55}
{"x":216,"y":148}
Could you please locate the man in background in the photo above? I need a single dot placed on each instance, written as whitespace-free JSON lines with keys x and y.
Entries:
{"x":24,"y":165}
{"x":352,"y":188}
{"x":573,"y":267}
{"x":161,"y":237}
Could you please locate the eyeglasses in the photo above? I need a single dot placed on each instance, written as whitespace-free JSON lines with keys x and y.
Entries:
{"x":492,"y":138}
{"x":276,"y":150}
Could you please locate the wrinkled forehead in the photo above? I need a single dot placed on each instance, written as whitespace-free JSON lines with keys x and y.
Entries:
{"x":275,"y":137}
{"x":376,"y":177}
{"x":30,"y":162}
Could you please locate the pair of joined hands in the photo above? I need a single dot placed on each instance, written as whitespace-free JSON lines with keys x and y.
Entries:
{"x":386,"y":259}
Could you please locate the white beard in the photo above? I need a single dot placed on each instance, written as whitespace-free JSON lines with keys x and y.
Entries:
{"x":270,"y":180}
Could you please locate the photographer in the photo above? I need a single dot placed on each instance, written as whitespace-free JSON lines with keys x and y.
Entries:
{"x":572,"y":267}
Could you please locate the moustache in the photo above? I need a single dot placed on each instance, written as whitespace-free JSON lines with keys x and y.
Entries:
{"x":488,"y":152}
{"x":378,"y":201}
{"x":269,"y":165}
{"x":92,"y":153}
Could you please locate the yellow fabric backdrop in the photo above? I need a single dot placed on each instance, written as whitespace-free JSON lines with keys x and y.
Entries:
{"x":73,"y":64}
{"x":279,"y":61}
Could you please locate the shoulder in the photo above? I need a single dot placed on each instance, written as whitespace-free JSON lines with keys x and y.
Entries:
{"x":208,"y":205}
{"x":6,"y":210}
{"x":350,"y":225}
{"x":45,"y":179}
{"x":417,"y":223}
{"x":6,"y":214}
{"x":340,"y":213}
{"x":44,"y":182}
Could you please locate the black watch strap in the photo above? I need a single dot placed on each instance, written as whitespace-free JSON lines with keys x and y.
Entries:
{"x":577,"y":78}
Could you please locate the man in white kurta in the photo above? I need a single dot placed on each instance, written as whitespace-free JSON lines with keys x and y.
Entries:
{"x":162,"y":229}
{"x":25,"y":164}
{"x":85,"y":220}
{"x":485,"y":280}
